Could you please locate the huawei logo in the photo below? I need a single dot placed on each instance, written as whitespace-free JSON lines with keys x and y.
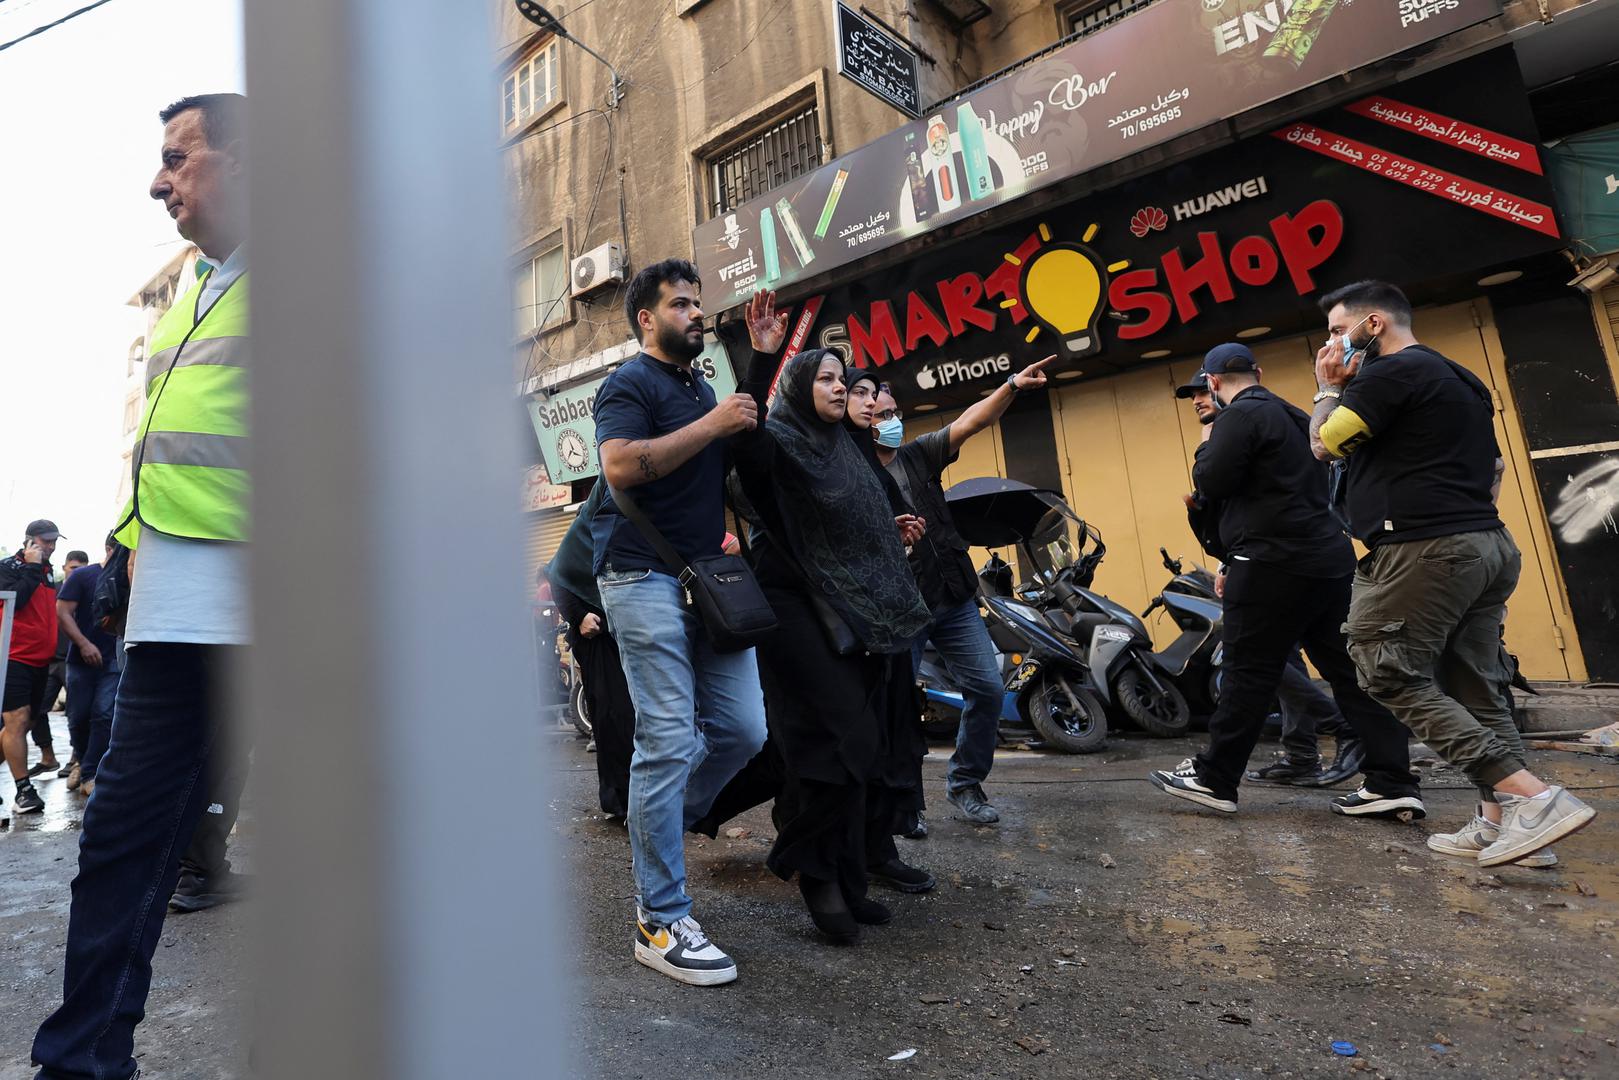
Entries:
{"x":1148,"y":219}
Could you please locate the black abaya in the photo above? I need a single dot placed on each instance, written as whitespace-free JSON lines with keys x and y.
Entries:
{"x":607,"y":698}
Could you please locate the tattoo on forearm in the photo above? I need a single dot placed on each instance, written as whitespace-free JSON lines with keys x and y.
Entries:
{"x":648,"y":470}
{"x":1323,"y":409}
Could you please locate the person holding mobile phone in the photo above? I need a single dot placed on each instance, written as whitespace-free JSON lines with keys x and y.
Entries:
{"x":27,"y":572}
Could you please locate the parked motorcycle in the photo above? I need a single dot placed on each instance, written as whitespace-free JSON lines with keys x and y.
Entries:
{"x":1193,"y":659}
{"x":1048,"y":688}
{"x":1099,"y":638}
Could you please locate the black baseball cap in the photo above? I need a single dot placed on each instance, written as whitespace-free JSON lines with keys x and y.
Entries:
{"x":1232,"y":356}
{"x":44,"y":529}
{"x":1197,"y":384}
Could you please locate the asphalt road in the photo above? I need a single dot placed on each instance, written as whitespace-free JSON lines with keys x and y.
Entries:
{"x":1101,"y":929}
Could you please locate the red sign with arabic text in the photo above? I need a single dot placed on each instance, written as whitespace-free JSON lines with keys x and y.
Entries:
{"x":1450,"y":132}
{"x":1457,"y":189}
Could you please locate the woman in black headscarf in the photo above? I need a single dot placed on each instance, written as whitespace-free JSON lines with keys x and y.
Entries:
{"x":831,"y":558}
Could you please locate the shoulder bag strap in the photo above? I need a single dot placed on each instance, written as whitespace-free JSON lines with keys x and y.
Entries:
{"x":627,"y":506}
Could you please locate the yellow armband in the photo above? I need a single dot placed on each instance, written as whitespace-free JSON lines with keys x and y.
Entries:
{"x":1343,"y":431}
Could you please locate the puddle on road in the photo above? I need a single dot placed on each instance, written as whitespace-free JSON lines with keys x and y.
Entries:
{"x":1187,"y":944}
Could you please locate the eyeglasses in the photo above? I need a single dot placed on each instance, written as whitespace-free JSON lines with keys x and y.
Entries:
{"x":890,"y":414}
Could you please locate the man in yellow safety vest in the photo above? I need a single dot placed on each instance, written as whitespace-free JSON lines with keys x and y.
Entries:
{"x":187,"y":619}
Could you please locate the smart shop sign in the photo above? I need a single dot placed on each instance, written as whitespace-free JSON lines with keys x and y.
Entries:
{"x":1437,"y":179}
{"x":1169,"y":68}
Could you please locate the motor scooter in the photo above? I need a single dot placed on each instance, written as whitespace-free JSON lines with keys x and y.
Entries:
{"x":1193,"y":659}
{"x":1109,"y":642}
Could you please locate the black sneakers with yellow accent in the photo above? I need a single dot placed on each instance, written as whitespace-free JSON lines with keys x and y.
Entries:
{"x":682,"y":951}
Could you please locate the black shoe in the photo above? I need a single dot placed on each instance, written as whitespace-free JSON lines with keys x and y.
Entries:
{"x":28,"y":800}
{"x":1183,"y":783}
{"x":828,"y":909}
{"x":972,"y":802}
{"x":913,"y":827}
{"x":897,"y":875}
{"x":1285,"y":770}
{"x":65,"y":769}
{"x":1351,"y":758}
{"x":869,"y":912}
{"x":1363,"y":803}
{"x":41,"y":768}
{"x":195,"y":893}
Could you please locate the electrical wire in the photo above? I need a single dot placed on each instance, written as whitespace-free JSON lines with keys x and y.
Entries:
{"x":535,"y":348}
{"x":36,"y":31}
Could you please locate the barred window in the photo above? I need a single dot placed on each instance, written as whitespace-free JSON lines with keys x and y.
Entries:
{"x":786,"y":149}
{"x":1088,"y":16}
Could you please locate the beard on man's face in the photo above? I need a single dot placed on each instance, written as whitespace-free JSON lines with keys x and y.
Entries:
{"x":680,"y":344}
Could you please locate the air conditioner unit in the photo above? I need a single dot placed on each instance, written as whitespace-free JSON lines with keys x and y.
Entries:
{"x":596,"y":269}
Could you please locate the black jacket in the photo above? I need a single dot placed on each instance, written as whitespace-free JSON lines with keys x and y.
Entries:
{"x":1270,"y":491}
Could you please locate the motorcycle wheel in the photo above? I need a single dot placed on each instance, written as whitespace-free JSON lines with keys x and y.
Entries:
{"x":1166,"y":715}
{"x":1077,"y":726}
{"x":578,"y":711}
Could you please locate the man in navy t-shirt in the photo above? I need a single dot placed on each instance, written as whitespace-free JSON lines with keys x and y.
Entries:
{"x":92,"y":672}
{"x":699,"y":714}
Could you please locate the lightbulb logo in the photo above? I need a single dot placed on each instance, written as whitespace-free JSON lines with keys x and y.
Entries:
{"x":1064,"y":285}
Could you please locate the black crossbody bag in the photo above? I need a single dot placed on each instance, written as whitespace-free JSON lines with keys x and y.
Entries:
{"x":720,"y":587}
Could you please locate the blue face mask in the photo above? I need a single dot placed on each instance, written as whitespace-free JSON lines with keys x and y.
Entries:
{"x":890,"y":432}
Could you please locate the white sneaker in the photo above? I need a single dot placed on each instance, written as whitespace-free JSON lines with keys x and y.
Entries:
{"x":1528,"y":825}
{"x":1480,"y":833}
{"x":682,"y":951}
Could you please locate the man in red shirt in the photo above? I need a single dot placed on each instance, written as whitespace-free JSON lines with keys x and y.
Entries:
{"x":33,"y":646}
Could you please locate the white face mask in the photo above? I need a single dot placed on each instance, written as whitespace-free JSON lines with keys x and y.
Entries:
{"x":1349,"y":350}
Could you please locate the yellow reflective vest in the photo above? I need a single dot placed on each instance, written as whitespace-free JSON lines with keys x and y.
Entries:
{"x":190,"y":459}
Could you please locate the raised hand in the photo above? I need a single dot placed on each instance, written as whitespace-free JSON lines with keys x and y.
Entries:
{"x":767,"y":327}
{"x":1034,"y":376}
{"x":1330,"y":369}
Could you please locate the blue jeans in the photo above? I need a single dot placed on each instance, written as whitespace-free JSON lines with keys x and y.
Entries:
{"x":969,"y":656}
{"x":151,"y":791}
{"x":90,"y":695}
{"x":699,"y":717}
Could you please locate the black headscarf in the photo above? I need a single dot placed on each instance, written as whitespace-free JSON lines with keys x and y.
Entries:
{"x":838,"y":517}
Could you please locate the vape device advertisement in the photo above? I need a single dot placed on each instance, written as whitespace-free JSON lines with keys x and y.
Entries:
{"x":1170,"y":68}
{"x":1249,"y":235}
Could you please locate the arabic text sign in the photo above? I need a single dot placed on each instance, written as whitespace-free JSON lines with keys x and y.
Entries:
{"x":1458,"y":189}
{"x":1170,"y":68}
{"x":879,"y":63}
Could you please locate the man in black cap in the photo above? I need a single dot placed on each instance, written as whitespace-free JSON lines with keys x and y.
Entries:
{"x":1289,"y":567}
{"x":33,"y":645}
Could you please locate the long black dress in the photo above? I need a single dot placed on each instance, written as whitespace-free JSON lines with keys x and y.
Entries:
{"x":830,"y":716}
{"x":607,"y":698}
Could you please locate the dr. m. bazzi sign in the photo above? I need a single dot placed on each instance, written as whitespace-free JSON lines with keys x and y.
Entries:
{"x":565,"y":422}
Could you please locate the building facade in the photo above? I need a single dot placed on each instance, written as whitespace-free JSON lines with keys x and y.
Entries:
{"x":948,"y":190}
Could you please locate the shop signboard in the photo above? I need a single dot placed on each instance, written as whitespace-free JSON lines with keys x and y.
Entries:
{"x":565,"y":421}
{"x":872,"y":58}
{"x":1170,"y":68}
{"x":540,"y":494}
{"x":1241,"y":238}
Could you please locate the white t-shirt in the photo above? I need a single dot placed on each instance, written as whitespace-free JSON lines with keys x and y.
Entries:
{"x":189,"y":591}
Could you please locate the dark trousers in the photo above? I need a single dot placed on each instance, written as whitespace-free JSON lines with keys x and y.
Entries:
{"x":227,"y":775}
{"x":151,"y":792}
{"x":1267,"y":610}
{"x":91,"y":695}
{"x":39,"y":726}
{"x":1306,"y":712}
